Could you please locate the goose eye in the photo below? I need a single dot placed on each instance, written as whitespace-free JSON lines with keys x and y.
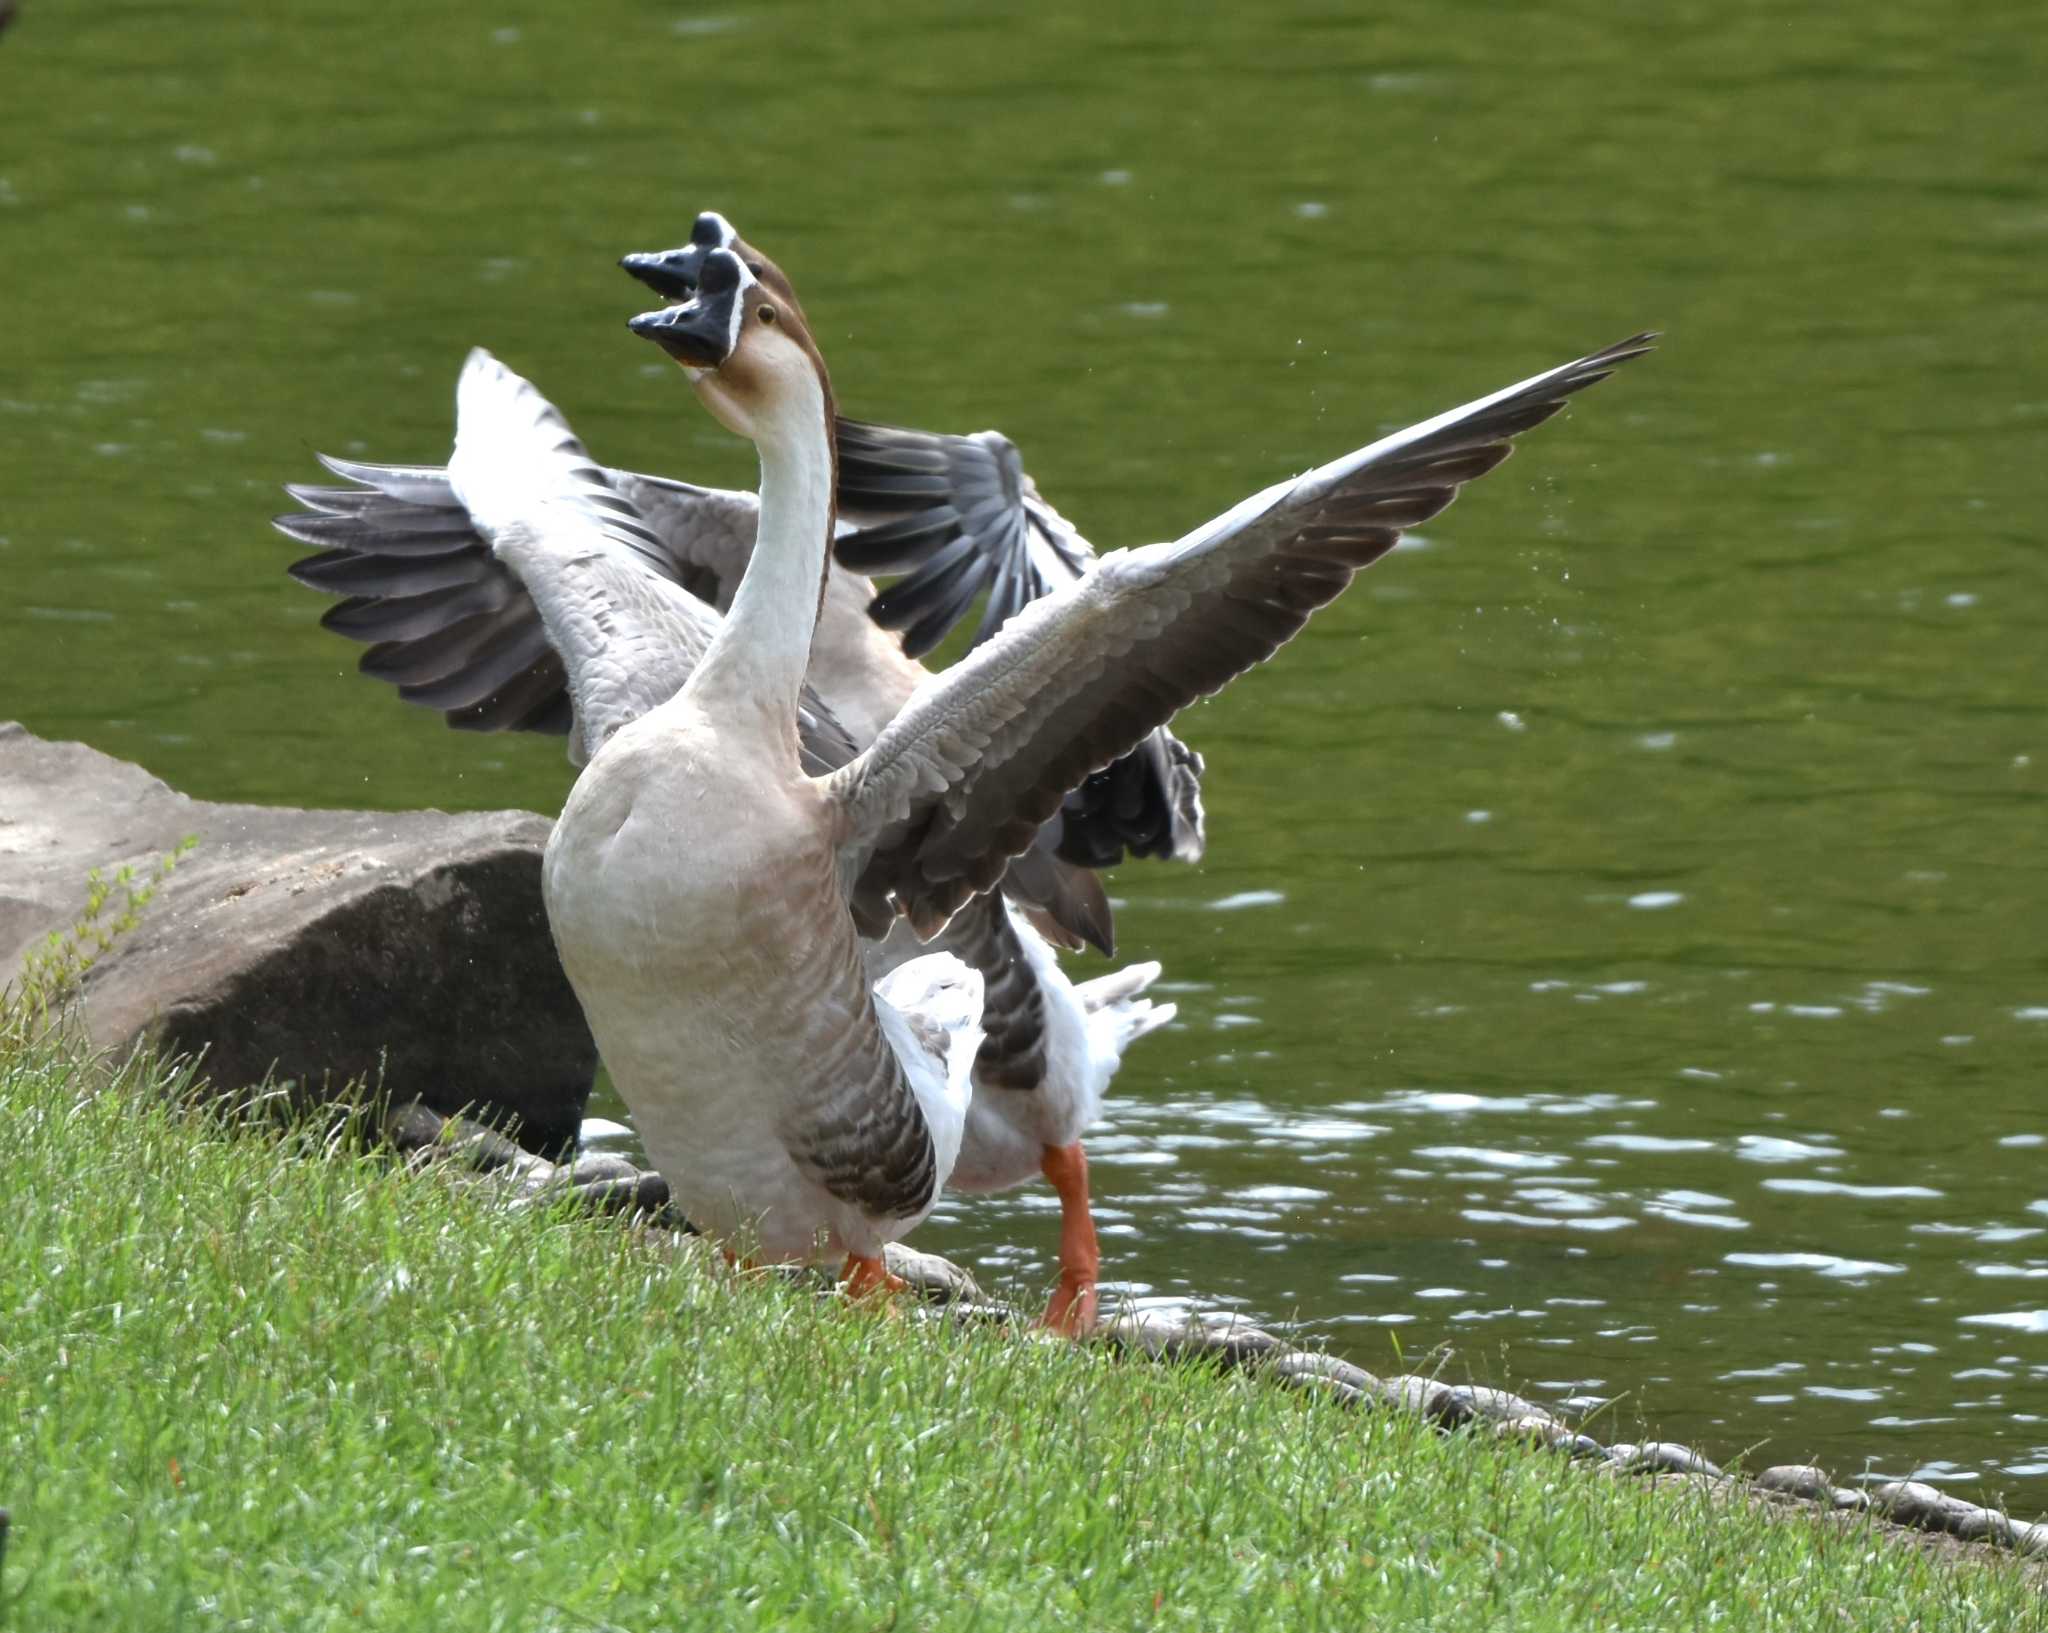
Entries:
{"x":766,"y":314}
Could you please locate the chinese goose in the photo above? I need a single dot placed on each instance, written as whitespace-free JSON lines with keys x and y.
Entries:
{"x":957,"y":516}
{"x":929,"y":814}
{"x":455,"y":581}
{"x":695,"y":898}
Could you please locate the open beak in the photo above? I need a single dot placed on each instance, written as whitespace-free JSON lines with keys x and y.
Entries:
{"x":670,"y":273}
{"x":697,"y":334}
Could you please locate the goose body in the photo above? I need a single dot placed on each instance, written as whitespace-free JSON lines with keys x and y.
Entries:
{"x":472,"y":596}
{"x":693,"y":880}
{"x":712,"y":1002}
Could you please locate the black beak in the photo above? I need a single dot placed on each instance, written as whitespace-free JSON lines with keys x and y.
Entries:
{"x":696,"y":333}
{"x":670,"y":273}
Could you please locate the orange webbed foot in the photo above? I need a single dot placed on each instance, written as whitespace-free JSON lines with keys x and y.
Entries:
{"x":863,"y":1278}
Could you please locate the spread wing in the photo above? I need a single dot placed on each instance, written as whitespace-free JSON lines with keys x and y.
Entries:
{"x":984,"y":753}
{"x":523,"y":587}
{"x":519,"y":588}
{"x":960,"y":517}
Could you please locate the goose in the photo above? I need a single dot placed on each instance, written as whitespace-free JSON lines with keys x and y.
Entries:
{"x":715,"y":957}
{"x":959,"y":516}
{"x":448,"y":571}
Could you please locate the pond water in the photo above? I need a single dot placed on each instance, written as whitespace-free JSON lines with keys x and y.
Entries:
{"x":1623,"y":952}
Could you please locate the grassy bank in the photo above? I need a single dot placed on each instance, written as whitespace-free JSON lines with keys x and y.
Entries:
{"x":240,"y":1388}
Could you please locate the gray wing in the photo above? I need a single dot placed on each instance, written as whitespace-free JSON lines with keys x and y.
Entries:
{"x":961,"y":517}
{"x":1148,"y":803}
{"x":447,"y":624}
{"x":527,"y":591}
{"x":518,"y":588}
{"x":707,"y":534}
{"x":982,"y":755}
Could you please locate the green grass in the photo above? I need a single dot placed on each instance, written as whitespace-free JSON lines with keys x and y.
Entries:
{"x":247,"y":1388}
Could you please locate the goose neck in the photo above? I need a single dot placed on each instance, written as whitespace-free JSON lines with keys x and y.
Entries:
{"x":757,"y":663}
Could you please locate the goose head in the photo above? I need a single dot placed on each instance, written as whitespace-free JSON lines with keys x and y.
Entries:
{"x":673,"y":273}
{"x":746,"y":349}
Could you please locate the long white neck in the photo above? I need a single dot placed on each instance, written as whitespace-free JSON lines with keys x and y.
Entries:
{"x":754,"y":669}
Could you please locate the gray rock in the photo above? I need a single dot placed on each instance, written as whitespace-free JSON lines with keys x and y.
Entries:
{"x":1542,"y":1429}
{"x":1467,"y":1401}
{"x":602,"y":1168}
{"x":1297,"y":1364}
{"x":603,"y":1182}
{"x":485,"y":1150}
{"x":1798,"y":1480}
{"x":2031,"y":1539}
{"x":1426,"y":1397}
{"x":646,"y":1197}
{"x":611,"y":1184}
{"x":424,"y":1135}
{"x":410,"y":949}
{"x":1986,"y":1525}
{"x":937,"y":1280}
{"x":1312,"y":1383}
{"x":1189,"y":1335}
{"x":1663,"y":1457}
{"x":1920,"y":1504}
{"x":1321,"y":1375}
{"x":651,"y":1196}
{"x":1152,"y":1333}
{"x":623,"y":1196}
{"x":1925,"y":1507}
{"x":411,"y":1128}
{"x":962,"y":1313}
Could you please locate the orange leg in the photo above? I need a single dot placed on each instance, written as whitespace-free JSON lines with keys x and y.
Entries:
{"x":1072,"y":1310}
{"x":864,"y":1278}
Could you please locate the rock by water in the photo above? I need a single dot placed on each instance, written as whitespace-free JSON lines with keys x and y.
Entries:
{"x":410,"y":948}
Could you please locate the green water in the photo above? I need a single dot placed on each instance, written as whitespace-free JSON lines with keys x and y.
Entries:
{"x":1623,"y":955}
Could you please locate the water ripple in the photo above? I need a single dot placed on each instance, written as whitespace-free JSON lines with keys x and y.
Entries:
{"x":2017,"y":1320}
{"x":1827,"y":1264}
{"x":1490,"y":1158}
{"x":1834,"y":1187}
